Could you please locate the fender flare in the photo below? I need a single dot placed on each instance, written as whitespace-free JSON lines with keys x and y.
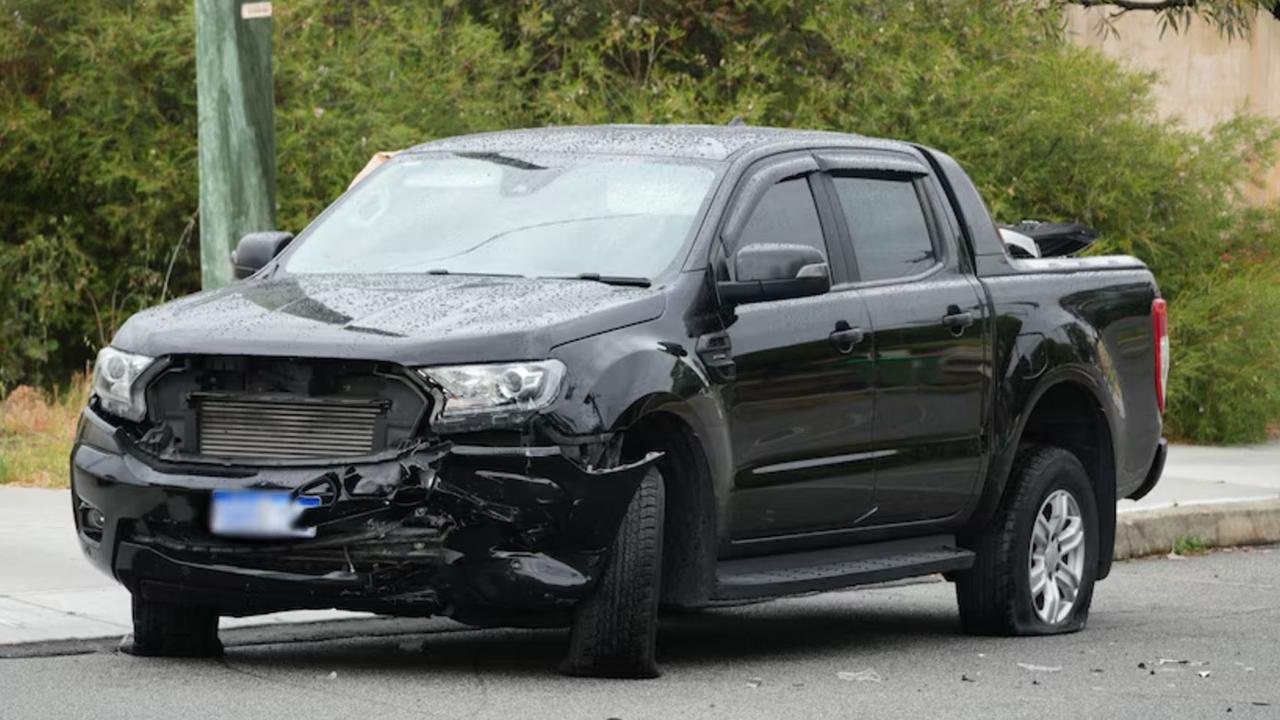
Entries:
{"x":1104,"y":482}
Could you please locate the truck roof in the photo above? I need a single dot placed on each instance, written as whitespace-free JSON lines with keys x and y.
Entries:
{"x":701,"y":142}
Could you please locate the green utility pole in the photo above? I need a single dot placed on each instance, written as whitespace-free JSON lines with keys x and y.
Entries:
{"x":235,"y":106}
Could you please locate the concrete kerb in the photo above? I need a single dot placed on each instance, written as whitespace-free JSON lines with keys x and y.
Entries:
{"x":1153,"y":532}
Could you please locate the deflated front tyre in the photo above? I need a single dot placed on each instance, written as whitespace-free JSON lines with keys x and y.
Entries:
{"x":614,"y":631}
{"x":165,"y":629}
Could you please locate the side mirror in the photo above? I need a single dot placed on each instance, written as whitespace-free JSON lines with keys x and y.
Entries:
{"x":257,"y":249}
{"x":775,"y":271}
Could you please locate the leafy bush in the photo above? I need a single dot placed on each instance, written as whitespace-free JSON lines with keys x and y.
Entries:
{"x":98,"y":145}
{"x":97,"y":150}
{"x":355,"y":78}
{"x":1226,"y":337}
{"x":97,"y":162}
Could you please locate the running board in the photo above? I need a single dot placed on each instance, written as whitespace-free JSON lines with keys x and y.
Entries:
{"x":834,"y":568}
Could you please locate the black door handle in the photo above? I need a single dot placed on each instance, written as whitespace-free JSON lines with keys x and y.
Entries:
{"x":957,"y":320}
{"x":844,"y":338}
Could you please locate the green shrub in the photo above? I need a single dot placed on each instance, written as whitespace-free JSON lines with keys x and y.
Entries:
{"x":97,"y":162}
{"x":356,"y":78}
{"x":1189,"y":545}
{"x":97,"y":145}
{"x":1226,"y":338}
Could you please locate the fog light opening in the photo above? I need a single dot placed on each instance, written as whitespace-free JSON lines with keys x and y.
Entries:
{"x":92,"y":521}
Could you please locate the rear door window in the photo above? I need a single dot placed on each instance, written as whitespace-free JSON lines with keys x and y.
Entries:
{"x":887,"y":224}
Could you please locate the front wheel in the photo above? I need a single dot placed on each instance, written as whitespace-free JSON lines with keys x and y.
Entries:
{"x":1038,"y":557}
{"x":162,"y":629}
{"x":615,"y":630}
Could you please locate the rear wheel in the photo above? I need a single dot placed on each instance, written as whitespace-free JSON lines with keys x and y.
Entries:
{"x":615,"y":630}
{"x":162,"y":629}
{"x":1038,"y":557}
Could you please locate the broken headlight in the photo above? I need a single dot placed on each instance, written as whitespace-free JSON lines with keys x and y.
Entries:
{"x":478,"y":397}
{"x":115,"y":382}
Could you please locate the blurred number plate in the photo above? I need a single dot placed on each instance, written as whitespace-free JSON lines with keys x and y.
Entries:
{"x":260,"y":513}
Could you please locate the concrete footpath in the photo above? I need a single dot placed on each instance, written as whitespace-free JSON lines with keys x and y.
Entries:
{"x":48,"y":591}
{"x":1217,"y":496}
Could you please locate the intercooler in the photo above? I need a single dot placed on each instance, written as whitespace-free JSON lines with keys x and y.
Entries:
{"x":286,"y":427}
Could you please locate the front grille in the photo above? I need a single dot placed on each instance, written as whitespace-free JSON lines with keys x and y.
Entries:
{"x":286,"y":428}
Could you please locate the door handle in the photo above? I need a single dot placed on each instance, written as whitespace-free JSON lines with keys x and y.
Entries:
{"x":957,"y":320}
{"x":844,"y":338}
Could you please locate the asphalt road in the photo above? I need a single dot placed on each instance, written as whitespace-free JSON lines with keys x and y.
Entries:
{"x":1219,"y":613}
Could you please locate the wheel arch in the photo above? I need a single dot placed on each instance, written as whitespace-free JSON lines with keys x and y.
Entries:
{"x":1068,"y":410}
{"x":689,"y":526}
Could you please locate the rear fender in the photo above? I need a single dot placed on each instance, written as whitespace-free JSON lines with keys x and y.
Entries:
{"x":1005,"y":449}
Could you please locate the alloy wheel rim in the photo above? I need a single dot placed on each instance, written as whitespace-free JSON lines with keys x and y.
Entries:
{"x":1056,"y":562}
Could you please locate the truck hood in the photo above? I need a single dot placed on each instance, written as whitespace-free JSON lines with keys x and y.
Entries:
{"x":406,"y":319}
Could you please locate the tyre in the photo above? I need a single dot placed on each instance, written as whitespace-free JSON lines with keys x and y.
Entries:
{"x":1038,"y":557}
{"x":163,"y":629}
{"x":615,"y":630}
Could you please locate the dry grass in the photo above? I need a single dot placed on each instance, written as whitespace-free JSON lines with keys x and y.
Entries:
{"x":36,"y":430}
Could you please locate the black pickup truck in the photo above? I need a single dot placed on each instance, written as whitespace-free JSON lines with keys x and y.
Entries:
{"x":567,"y":376}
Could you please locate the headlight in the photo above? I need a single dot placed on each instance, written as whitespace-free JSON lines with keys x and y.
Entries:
{"x":115,"y":382}
{"x":478,"y":397}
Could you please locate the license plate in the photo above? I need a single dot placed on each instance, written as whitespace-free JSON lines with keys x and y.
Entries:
{"x":260,"y":514}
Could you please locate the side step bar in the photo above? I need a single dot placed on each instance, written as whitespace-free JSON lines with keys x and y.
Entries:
{"x":833,"y":568}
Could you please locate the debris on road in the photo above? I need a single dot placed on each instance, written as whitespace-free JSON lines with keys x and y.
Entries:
{"x":333,"y":675}
{"x":754,"y":683}
{"x":868,"y":675}
{"x":1161,"y":662}
{"x":1040,"y":668}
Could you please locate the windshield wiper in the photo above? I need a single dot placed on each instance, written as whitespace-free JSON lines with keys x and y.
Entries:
{"x":442,"y":271}
{"x":501,"y":160}
{"x":606,"y":279}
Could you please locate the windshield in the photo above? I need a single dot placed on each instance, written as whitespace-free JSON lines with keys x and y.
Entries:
{"x":495,"y":214}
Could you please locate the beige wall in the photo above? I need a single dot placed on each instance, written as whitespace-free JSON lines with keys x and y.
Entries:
{"x":1204,"y":78}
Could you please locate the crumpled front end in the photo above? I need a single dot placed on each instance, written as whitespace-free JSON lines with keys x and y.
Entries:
{"x":484,"y":534}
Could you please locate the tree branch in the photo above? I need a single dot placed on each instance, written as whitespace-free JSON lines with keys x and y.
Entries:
{"x":1127,"y":5}
{"x":1233,"y":18}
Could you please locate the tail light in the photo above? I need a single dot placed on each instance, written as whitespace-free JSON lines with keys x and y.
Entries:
{"x":1160,"y":319}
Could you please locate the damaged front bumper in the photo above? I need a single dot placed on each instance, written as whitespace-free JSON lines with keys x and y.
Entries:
{"x":479,"y":533}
